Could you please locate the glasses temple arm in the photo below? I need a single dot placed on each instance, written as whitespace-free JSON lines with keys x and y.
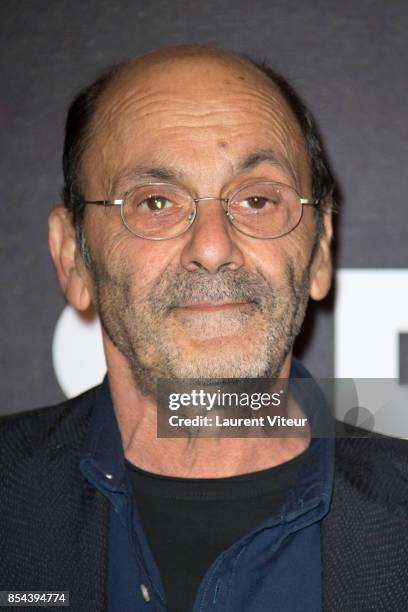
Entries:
{"x":102,"y":202}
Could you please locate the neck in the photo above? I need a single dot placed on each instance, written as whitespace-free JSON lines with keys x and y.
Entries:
{"x":191,"y":457}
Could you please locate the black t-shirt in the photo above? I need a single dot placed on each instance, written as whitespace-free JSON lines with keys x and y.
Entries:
{"x":190,"y":521}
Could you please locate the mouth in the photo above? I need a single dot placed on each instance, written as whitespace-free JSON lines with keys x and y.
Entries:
{"x":210,"y":307}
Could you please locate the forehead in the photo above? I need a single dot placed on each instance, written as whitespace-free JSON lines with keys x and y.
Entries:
{"x":176,"y":110}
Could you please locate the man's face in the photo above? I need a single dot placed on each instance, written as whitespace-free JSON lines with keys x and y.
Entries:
{"x":212,"y":302}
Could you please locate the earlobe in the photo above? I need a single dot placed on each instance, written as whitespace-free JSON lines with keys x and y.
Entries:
{"x":63,"y":249}
{"x":321,"y":270}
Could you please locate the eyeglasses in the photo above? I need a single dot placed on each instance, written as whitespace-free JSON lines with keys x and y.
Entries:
{"x":162,"y":211}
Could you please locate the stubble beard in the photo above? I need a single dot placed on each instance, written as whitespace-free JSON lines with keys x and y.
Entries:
{"x":144,"y":327}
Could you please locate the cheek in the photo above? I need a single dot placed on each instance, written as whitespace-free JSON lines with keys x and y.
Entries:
{"x":139,"y":262}
{"x":103,"y":228}
{"x":274,"y":258}
{"x":299,"y":243}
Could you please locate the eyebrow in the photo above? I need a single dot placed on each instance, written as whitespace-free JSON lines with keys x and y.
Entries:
{"x":259,"y":156}
{"x":137,"y":173}
{"x":167,"y":174}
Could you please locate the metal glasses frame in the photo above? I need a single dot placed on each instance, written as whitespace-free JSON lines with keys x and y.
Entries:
{"x":193,"y":214}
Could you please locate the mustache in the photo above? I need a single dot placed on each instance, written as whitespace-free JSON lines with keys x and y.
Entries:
{"x":180,"y":287}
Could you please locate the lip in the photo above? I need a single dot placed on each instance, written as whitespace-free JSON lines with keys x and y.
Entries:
{"x":213,"y":306}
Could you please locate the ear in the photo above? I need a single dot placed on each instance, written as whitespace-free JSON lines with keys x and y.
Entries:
{"x":321,"y":269}
{"x":72,"y":275}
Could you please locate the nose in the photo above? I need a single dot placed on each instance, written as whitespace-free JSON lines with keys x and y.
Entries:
{"x":211,"y":243}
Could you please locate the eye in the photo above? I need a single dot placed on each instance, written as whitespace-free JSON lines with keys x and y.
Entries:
{"x":258,"y":202}
{"x":155,"y":203}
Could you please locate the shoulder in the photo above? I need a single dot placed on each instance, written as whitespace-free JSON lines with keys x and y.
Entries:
{"x":375,"y":465}
{"x":365,"y":533}
{"x":25,"y":433}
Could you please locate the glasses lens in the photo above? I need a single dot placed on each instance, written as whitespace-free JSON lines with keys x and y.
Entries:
{"x":157,"y":211}
{"x":265,"y":210}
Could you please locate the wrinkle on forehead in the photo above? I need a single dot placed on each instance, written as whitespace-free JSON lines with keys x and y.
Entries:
{"x":188,"y":96}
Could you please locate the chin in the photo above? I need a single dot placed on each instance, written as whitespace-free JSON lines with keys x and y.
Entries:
{"x":222,"y":357}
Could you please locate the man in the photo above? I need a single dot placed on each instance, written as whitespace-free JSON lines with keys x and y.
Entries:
{"x":198,"y":222}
